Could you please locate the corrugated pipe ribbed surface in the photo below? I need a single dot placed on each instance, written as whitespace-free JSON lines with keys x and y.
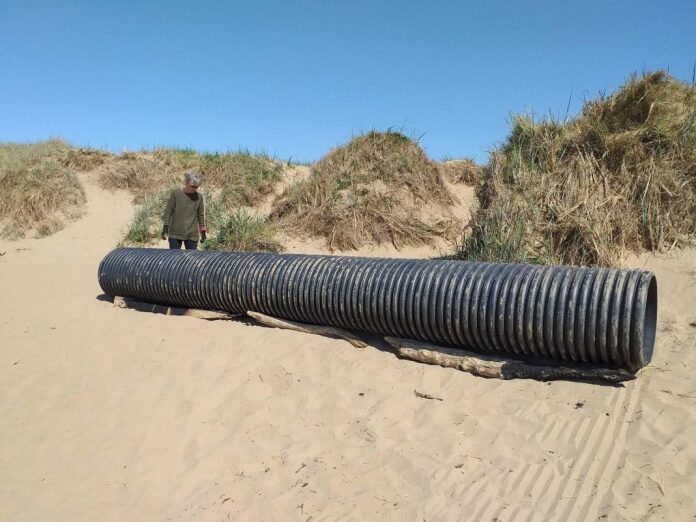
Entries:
{"x":591,"y":315}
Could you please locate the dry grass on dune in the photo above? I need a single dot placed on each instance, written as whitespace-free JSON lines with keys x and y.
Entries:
{"x":378,"y":188}
{"x":40,"y":192}
{"x":138,"y":173}
{"x":461,"y":171}
{"x":43,"y":192}
{"x":84,"y":159}
{"x":239,"y":178}
{"x":621,"y":176}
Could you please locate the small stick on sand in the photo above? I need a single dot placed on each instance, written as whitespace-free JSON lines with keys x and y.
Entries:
{"x":426,"y":396}
{"x":498,"y":367}
{"x":143,"y":306}
{"x":307,"y":328}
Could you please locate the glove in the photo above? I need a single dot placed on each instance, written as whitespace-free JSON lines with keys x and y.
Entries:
{"x":203,"y":236}
{"x":165,"y":231}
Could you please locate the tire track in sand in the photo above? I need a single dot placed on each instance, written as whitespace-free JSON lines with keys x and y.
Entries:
{"x":533,"y":479}
{"x":598,"y":450}
{"x":609,"y":470}
{"x":571,"y":431}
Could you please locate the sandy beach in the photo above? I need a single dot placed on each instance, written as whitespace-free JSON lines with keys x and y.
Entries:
{"x":111,"y":414}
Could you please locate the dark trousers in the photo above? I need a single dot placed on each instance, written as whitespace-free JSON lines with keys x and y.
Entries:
{"x":175,"y":244}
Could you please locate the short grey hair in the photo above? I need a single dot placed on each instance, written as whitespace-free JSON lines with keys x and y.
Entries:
{"x":192,"y":178}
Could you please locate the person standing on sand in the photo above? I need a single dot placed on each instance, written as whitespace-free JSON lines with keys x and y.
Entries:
{"x":184,"y":215}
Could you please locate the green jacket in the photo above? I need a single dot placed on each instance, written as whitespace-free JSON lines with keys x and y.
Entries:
{"x":185,"y":215}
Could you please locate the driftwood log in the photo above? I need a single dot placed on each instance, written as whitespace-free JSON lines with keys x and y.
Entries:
{"x":500,"y":368}
{"x":142,"y":306}
{"x":307,"y":328}
{"x":477,"y":364}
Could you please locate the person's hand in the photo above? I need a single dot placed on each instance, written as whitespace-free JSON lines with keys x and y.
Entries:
{"x":165,"y":232}
{"x":164,"y":236}
{"x":203,"y":236}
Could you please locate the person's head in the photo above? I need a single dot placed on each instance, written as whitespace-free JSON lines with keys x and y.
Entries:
{"x":192,"y":179}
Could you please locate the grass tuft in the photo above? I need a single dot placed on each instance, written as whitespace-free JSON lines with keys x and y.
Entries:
{"x":146,"y":227}
{"x":240,"y":230}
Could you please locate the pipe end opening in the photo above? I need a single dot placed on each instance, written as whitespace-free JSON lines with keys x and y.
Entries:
{"x":650,"y":322}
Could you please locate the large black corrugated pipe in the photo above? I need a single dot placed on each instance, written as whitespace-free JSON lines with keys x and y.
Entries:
{"x":593,"y":315}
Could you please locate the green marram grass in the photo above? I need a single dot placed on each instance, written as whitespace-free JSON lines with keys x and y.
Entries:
{"x":240,"y":229}
{"x":146,"y":226}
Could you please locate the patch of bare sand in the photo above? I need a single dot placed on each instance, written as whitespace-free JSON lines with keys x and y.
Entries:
{"x":110,"y":414}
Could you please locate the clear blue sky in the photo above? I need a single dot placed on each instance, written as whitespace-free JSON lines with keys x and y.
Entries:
{"x":296,"y":78}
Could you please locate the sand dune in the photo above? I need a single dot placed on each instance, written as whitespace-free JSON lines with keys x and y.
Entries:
{"x":110,"y":414}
